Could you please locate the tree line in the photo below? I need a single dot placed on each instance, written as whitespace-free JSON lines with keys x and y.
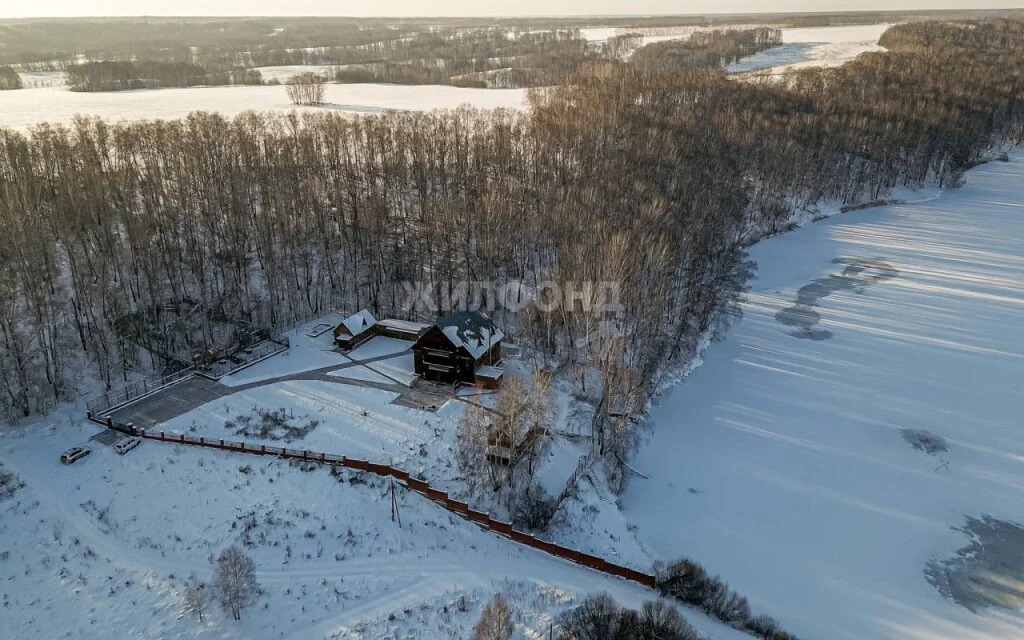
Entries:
{"x":717,"y":48}
{"x":9,"y":79}
{"x":110,"y":75}
{"x":654,"y":180}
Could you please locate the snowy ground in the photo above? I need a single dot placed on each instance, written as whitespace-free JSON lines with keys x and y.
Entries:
{"x":26,"y":107}
{"x":353,"y":421}
{"x":101,"y":549}
{"x":789,"y":461}
{"x":282,"y":73}
{"x":305,"y":353}
{"x":814,"y":47}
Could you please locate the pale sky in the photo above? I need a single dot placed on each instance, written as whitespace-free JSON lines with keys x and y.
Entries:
{"x":48,"y":8}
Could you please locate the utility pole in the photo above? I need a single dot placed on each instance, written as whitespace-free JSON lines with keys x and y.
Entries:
{"x":394,"y":505}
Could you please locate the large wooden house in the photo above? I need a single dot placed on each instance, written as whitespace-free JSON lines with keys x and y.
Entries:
{"x":457,"y":347}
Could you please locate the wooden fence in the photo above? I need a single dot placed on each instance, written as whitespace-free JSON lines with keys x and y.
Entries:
{"x":421,"y":487}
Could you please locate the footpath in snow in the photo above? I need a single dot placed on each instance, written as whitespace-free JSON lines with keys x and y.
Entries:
{"x":828,"y":456}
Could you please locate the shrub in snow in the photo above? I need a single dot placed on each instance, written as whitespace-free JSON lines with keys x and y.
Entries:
{"x":198,"y":596}
{"x":495,"y":622}
{"x":688,"y":582}
{"x":761,"y":626}
{"x":597,"y":617}
{"x":658,"y":621}
{"x":9,"y":483}
{"x":600,"y":618}
{"x":533,"y":509}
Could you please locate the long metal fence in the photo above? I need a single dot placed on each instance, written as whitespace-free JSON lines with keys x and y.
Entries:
{"x":119,"y":397}
{"x":416,"y":485}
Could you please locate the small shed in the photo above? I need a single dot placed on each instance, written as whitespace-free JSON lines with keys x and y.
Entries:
{"x":455,"y":347}
{"x":488,"y":377}
{"x":355,"y":330}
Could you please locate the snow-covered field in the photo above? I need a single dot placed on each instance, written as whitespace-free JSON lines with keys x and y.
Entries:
{"x":353,"y":421}
{"x":814,"y":47}
{"x":26,"y":107}
{"x":786,"y":462}
{"x":102,"y":549}
{"x":281,"y":73}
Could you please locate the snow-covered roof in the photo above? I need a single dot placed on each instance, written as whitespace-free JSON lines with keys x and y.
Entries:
{"x":357,"y":323}
{"x":473,"y":330}
{"x":404,"y":325}
{"x":490,"y":372}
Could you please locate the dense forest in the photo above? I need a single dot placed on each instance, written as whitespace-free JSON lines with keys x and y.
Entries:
{"x":653,"y":179}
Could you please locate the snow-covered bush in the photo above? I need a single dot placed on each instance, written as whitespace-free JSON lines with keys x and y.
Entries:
{"x":767,"y":628}
{"x":599,"y":617}
{"x":495,"y":621}
{"x":534,"y":509}
{"x":688,"y":582}
{"x":596,"y":617}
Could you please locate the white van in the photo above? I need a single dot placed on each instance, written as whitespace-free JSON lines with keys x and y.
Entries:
{"x":126,"y":445}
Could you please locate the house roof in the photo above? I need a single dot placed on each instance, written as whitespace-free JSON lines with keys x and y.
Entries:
{"x":473,"y":330}
{"x":357,"y":323}
{"x":403,"y":325}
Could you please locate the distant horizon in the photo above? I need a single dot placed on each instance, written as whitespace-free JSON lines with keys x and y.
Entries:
{"x":432,"y":9}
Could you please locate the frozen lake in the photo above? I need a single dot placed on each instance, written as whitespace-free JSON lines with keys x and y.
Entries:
{"x":815,"y":47}
{"x":23,"y":108}
{"x":803,"y":47}
{"x":867,"y":405}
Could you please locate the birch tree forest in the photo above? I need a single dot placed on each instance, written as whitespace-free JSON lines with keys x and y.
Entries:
{"x":654,"y":179}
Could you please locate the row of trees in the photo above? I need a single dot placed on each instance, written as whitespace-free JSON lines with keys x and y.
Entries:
{"x":9,"y":79}
{"x":120,"y":76}
{"x":652,"y":180}
{"x":718,"y":48}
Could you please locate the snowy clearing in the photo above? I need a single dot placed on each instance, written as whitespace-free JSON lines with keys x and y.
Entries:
{"x":26,"y":107}
{"x":281,"y":73}
{"x":353,"y":421}
{"x":783,"y":464}
{"x":101,"y":549}
{"x":305,"y":353}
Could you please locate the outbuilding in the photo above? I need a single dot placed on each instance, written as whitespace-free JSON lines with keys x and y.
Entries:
{"x":355,"y":330}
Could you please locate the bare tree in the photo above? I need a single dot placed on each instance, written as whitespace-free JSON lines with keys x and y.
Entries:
{"x":306,"y":89}
{"x":502,"y":443}
{"x":198,"y":596}
{"x":495,"y":621}
{"x":235,"y":581}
